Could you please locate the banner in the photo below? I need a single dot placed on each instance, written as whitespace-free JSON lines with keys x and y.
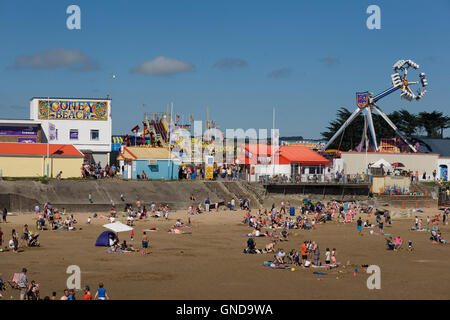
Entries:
{"x":18,"y":131}
{"x":73,"y":110}
{"x":318,"y":145}
{"x":52,"y":132}
{"x":26,"y":140}
{"x":209,"y":167}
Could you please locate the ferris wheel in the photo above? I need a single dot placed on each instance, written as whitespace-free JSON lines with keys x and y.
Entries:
{"x":367,"y":103}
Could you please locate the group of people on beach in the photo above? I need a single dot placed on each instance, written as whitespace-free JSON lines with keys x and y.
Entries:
{"x":95,"y":170}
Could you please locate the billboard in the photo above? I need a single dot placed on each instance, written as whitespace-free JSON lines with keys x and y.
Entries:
{"x":18,"y":131}
{"x":318,"y":145}
{"x":72,"y":110}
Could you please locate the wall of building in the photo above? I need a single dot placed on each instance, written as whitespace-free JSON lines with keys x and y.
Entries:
{"x":84,"y":142}
{"x":381,"y":184}
{"x":355,"y":162}
{"x":70,"y":167}
{"x":21,"y":166}
{"x":164,"y":169}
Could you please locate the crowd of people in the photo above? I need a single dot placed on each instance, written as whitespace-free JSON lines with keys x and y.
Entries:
{"x":274,"y":225}
{"x":225,"y":172}
{"x":95,"y":170}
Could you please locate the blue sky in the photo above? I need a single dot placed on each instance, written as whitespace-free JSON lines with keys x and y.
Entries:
{"x":240,"y":58}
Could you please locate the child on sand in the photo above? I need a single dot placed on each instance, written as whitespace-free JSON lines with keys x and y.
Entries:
{"x":333,"y":258}
{"x":89,"y":220}
{"x":144,"y":242}
{"x":327,"y":256}
{"x":101,"y":293}
{"x":410,"y":245}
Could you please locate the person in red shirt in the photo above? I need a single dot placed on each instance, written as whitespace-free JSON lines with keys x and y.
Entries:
{"x":87,"y":294}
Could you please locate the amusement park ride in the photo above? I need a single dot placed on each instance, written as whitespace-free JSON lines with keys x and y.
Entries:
{"x":366,"y":103}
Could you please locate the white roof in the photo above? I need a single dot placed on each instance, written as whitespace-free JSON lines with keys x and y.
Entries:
{"x":381,"y":162}
{"x":117,"y":227}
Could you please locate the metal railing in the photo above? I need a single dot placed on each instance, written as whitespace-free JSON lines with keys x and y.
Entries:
{"x":314,"y":178}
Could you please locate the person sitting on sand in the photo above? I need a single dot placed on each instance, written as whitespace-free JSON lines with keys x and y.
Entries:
{"x":397,"y":243}
{"x":250,"y":246}
{"x":178,"y":224}
{"x":410,"y":246}
{"x":367,"y":224}
{"x":270,"y":247}
{"x":284,"y":235}
{"x":280,"y":256}
{"x":127,"y":248}
{"x":291,"y":255}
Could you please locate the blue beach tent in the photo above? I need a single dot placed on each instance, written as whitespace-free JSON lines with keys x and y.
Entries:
{"x":103,"y":239}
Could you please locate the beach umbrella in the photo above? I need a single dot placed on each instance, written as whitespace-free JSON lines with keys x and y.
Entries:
{"x":398,"y":165}
{"x":117,"y":227}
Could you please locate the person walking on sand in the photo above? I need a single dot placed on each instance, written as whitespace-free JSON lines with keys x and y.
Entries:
{"x":101,"y":293}
{"x":22,"y":283}
{"x":144,"y":242}
{"x":5,"y":213}
{"x":359,"y":225}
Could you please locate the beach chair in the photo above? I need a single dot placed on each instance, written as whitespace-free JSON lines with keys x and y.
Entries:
{"x":14,"y":281}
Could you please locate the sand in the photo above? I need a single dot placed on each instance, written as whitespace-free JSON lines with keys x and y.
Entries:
{"x":209,"y":263}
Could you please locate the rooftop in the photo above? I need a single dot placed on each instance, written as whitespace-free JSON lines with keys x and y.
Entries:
{"x":38,"y":149}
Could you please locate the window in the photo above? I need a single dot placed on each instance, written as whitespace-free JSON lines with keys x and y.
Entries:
{"x":95,"y":135}
{"x":73,"y":134}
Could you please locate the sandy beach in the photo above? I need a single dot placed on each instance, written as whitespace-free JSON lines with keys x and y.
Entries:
{"x":210,"y":264}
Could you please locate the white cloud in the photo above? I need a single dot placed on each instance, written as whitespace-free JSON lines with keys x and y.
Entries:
{"x":56,"y":58}
{"x":163,"y":66}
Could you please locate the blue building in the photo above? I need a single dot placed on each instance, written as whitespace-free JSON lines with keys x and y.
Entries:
{"x":148,"y":163}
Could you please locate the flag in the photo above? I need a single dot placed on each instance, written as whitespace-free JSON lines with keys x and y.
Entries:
{"x":51,"y":132}
{"x":213,"y":124}
{"x":191,"y":118}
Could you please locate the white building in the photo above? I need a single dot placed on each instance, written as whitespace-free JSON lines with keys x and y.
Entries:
{"x":84,"y":123}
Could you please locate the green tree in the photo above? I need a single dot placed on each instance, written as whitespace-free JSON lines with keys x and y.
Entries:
{"x":434,"y":123}
{"x":406,"y":122}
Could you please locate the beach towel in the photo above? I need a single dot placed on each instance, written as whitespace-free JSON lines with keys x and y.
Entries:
{"x":152,"y":229}
{"x":325,"y":265}
{"x":315,"y":272}
{"x":274,"y":266}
